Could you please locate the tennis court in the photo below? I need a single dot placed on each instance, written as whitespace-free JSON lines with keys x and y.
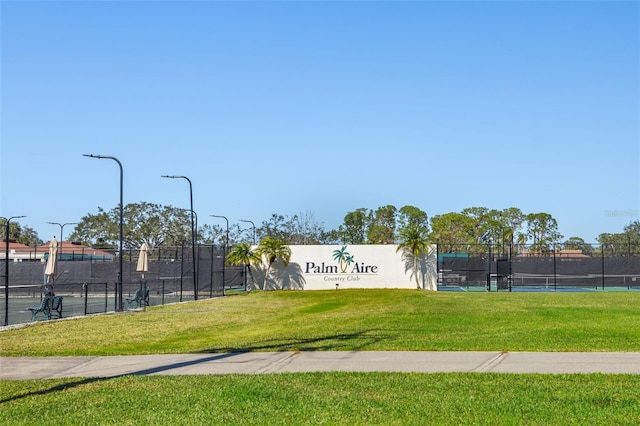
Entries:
{"x":551,"y":283}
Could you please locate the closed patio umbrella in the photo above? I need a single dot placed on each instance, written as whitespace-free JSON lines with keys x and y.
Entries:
{"x":143,"y":259}
{"x":50,"y":269}
{"x":143,"y":266}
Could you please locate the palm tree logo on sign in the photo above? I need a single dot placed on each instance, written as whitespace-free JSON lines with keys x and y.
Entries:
{"x":344,"y":258}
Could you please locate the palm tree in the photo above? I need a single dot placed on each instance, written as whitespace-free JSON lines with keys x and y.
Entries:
{"x":413,"y":241}
{"x":242,"y":254}
{"x":273,"y":249}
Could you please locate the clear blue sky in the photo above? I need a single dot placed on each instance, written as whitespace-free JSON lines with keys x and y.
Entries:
{"x":322,"y":107}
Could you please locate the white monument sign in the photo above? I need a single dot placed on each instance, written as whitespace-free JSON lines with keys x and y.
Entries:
{"x":326,"y":267}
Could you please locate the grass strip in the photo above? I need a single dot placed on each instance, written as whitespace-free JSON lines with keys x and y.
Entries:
{"x":328,"y":398}
{"x":348,"y":320}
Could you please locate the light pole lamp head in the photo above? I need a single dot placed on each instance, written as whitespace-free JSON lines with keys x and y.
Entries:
{"x":96,"y":156}
{"x":11,"y":218}
{"x":62,"y":224}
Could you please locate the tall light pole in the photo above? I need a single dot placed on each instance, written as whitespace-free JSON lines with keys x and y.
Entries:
{"x":121,"y":253}
{"x":193,"y":234}
{"x":225,"y":249}
{"x":6,"y":268}
{"x":253,"y":225}
{"x":61,"y":225}
{"x":486,"y":238}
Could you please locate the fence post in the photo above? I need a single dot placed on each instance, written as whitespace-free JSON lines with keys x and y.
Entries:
{"x":510,"y":265}
{"x":555,"y":281}
{"x":181,"y":268}
{"x":489,"y":266}
{"x":602,"y":262}
{"x":211,"y":272}
{"x":86,"y":297}
{"x":438,"y":265}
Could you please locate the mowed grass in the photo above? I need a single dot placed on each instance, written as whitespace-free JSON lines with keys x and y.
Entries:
{"x":338,"y":320}
{"x":348,"y":320}
{"x":329,"y":398}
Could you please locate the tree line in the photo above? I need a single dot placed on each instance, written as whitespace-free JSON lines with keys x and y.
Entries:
{"x":467,"y":230}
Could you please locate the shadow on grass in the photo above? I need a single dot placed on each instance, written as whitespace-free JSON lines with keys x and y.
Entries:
{"x":144,"y":372}
{"x":335,"y":342}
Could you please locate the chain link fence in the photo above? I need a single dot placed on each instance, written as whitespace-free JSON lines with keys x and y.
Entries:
{"x":89,"y":285}
{"x":487,"y":267}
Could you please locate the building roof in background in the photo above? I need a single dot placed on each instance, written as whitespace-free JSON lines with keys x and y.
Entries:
{"x":20,"y":251}
{"x":75,"y":249}
{"x":558,"y":253}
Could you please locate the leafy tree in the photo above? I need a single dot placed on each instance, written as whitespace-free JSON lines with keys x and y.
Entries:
{"x":150,"y":223}
{"x":142,"y":223}
{"x":500,"y":225}
{"x":577,"y":243}
{"x":28,"y":236}
{"x":331,"y":237}
{"x":97,"y":230}
{"x":632,"y":233}
{"x":409,"y":216}
{"x":299,"y":229}
{"x":273,"y":249}
{"x":454,"y":232}
{"x":353,"y":230}
{"x":633,"y":229}
{"x":542,"y":228}
{"x":612,"y":244}
{"x":216,"y":234}
{"x":477,"y":214}
{"x":413,"y":242}
{"x":235,"y":234}
{"x":482,"y":220}
{"x":275,"y":227}
{"x":626,"y":243}
{"x":304,"y":230}
{"x":494,"y":222}
{"x":21,"y":234}
{"x":243,"y":254}
{"x":211,"y":234}
{"x":382,"y":225}
{"x":513,"y":219}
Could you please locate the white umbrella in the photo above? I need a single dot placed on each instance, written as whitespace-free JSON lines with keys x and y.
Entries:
{"x":143,"y":259}
{"x":50,"y":269}
{"x":143,"y":266}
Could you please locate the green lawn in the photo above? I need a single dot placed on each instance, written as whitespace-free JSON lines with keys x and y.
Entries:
{"x":349,"y":320}
{"x":338,"y":320}
{"x":329,"y":398}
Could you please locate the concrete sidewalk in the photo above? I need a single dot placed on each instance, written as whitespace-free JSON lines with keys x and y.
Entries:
{"x":22,"y":368}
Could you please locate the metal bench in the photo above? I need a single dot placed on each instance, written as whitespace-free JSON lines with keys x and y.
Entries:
{"x":47,"y":307}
